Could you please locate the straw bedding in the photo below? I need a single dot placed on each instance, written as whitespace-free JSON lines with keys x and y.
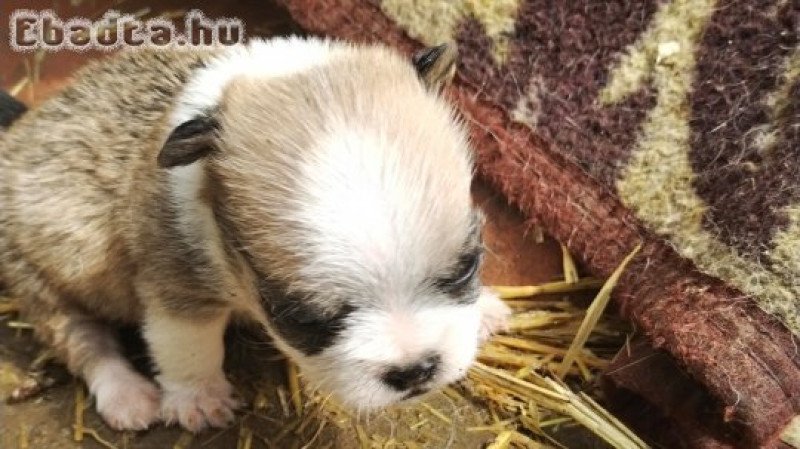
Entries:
{"x":675,"y":124}
{"x":531,"y":388}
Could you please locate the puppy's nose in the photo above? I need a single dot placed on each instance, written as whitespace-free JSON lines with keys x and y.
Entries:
{"x":407,"y":377}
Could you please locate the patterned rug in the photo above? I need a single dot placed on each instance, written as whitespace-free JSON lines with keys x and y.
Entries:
{"x":675,"y":123}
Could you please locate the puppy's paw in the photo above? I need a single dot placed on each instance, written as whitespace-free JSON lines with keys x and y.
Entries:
{"x":125,"y":399}
{"x":494,"y":314}
{"x":198,"y":405}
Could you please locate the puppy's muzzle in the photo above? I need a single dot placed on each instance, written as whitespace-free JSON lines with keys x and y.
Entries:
{"x":414,"y":376}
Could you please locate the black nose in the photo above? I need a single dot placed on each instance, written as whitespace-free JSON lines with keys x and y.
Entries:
{"x":407,"y":377}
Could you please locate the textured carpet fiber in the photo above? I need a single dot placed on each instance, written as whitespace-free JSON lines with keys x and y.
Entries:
{"x":675,"y":123}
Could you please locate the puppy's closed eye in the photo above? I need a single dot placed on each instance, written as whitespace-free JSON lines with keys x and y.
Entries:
{"x":306,"y":327}
{"x":297,"y":313}
{"x":302,"y":317}
{"x":463,"y":274}
{"x":291,"y":308}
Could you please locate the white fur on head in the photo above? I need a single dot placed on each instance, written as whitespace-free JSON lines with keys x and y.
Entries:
{"x":390,"y":207}
{"x":386,"y":191}
{"x":348,"y":181}
{"x":258,"y":58}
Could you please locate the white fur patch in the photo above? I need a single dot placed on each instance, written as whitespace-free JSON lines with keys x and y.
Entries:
{"x":186,"y":183}
{"x":353,"y":205}
{"x":197,"y":406}
{"x":195,"y":216}
{"x":189,"y":355}
{"x":258,"y":58}
{"x":125,"y":399}
{"x":379,"y":211}
{"x":377,"y":340}
{"x":185,"y":349}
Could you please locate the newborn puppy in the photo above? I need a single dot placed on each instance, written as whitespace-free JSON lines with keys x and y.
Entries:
{"x":318,"y":188}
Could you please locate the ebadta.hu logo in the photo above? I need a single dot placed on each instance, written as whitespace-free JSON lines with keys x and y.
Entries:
{"x":31,"y":30}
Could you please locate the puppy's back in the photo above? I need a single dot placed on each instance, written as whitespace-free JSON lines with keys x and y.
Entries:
{"x":68,"y":171}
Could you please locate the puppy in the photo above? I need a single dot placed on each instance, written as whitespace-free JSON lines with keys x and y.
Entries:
{"x":317,"y":188}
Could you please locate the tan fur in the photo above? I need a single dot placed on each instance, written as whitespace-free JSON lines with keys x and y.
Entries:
{"x":79,"y":189}
{"x":68,"y":234}
{"x":254,"y":171}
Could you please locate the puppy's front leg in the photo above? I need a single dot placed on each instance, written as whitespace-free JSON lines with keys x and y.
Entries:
{"x":189,"y":352}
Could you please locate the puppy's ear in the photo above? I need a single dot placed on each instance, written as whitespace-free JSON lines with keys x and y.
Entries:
{"x":436,"y":66}
{"x":188,"y":142}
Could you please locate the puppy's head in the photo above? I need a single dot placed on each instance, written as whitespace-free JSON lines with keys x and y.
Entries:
{"x":346,"y":183}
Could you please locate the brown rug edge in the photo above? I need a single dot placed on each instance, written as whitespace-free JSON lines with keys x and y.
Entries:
{"x":630,"y":392}
{"x":599,"y":230}
{"x":690,"y":315}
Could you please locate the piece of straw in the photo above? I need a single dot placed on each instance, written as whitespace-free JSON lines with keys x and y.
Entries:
{"x":496,"y":356}
{"x":509,"y":382}
{"x":540,"y":348}
{"x":42,"y":359}
{"x":363,"y":439}
{"x":80,"y":399}
{"x":267,"y":442}
{"x":24,"y":437}
{"x":593,"y":418}
{"x":294,"y":388}
{"x":451,"y":393}
{"x":436,"y":413}
{"x":537,"y":319}
{"x":528,"y":345}
{"x":526,"y":442}
{"x":316,"y":435}
{"x":583,"y":369}
{"x":260,"y":402}
{"x":102,"y":441}
{"x":524,"y":291}
{"x":538,"y":234}
{"x":245,"y":437}
{"x":8,"y":307}
{"x":593,"y":314}
{"x":183,"y":441}
{"x":555,"y":421}
{"x":535,"y":426}
{"x":127,"y":437}
{"x":554,"y":395}
{"x":282,"y":400}
{"x":304,"y":423}
{"x":419,"y":424}
{"x":18,"y":86}
{"x":502,"y":441}
{"x":568,"y":265}
{"x":287,"y":429}
{"x":496,"y":427}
